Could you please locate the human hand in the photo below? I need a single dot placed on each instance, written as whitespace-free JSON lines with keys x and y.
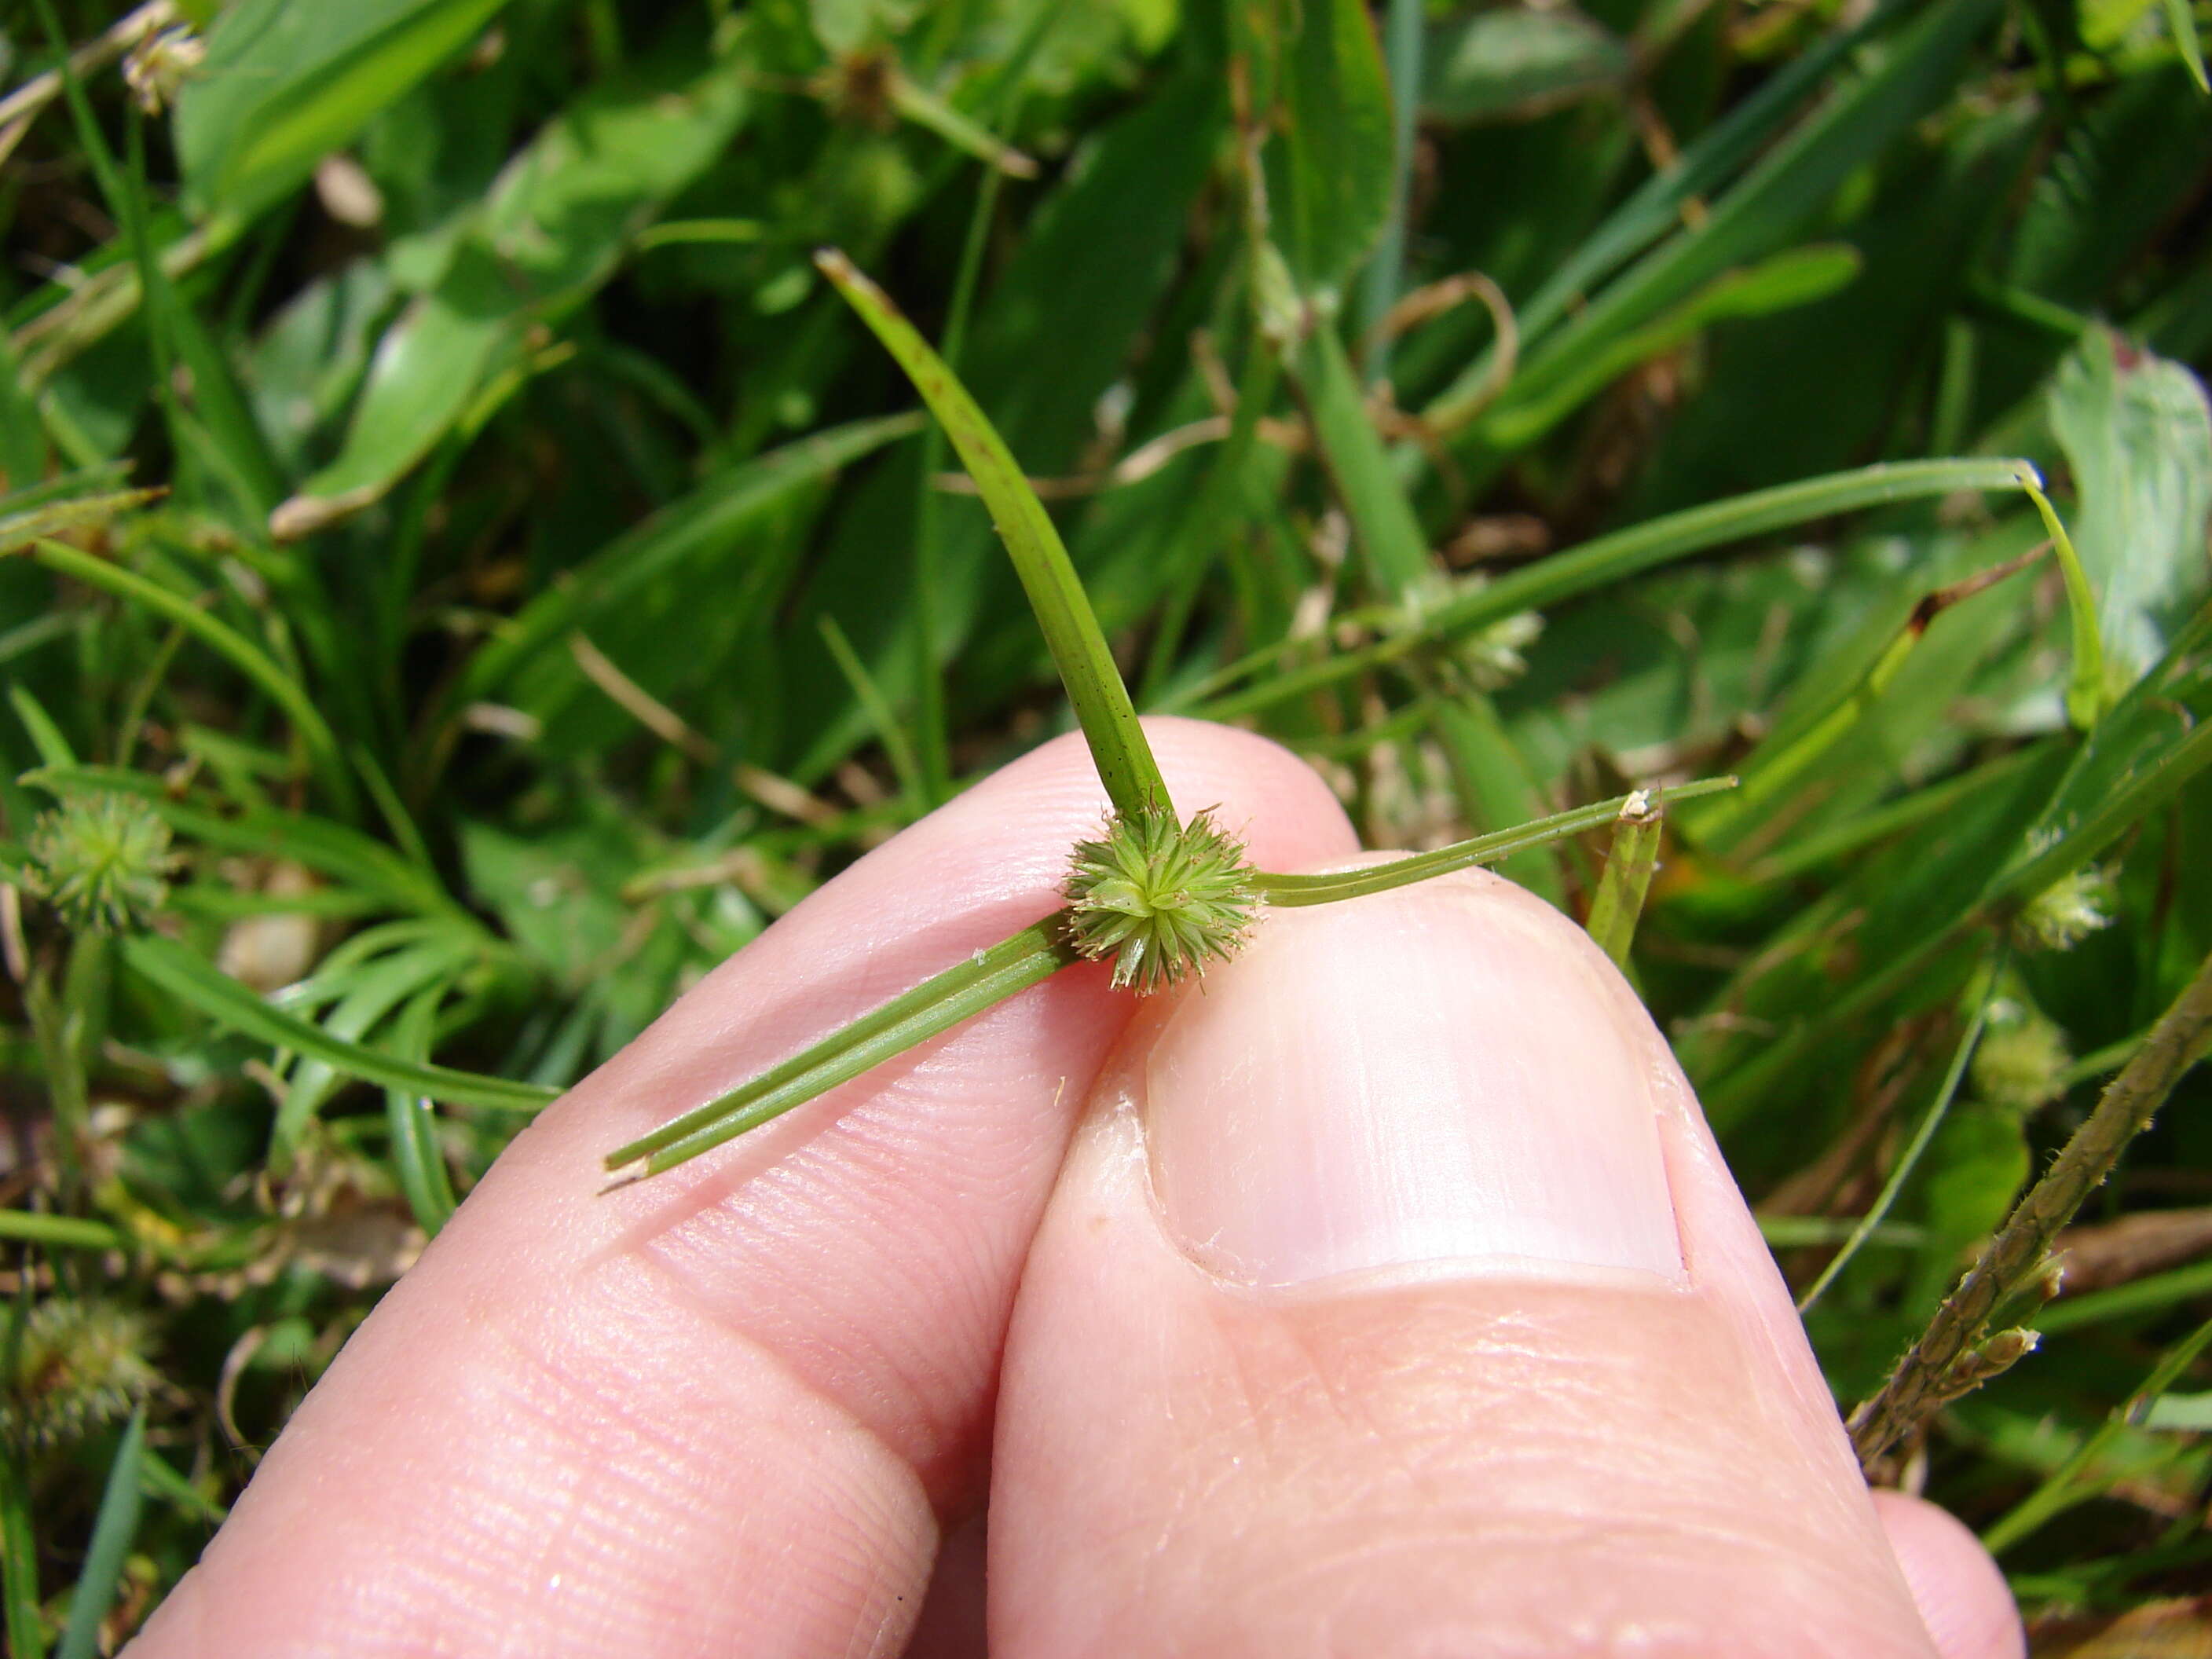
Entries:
{"x":1385,"y":1297}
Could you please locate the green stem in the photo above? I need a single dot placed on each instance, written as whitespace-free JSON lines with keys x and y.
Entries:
{"x":1914,"y":1388}
{"x":936,"y":1004}
{"x":1910,"y":1158}
{"x":1627,"y":878}
{"x":1071,"y":629}
{"x":1332,"y":886}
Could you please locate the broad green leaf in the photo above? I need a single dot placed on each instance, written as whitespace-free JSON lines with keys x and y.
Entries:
{"x":557,"y":224}
{"x":188,"y":976}
{"x":287,"y":82}
{"x":2138,"y":433}
{"x":1514,"y":59}
{"x":1329,"y":168}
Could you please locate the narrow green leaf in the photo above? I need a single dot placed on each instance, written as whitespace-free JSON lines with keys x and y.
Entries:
{"x":66,"y":1232}
{"x":2085,"y":684}
{"x":1086,"y":666}
{"x":189,"y":977}
{"x":1359,"y":463}
{"x":2183,"y":23}
{"x":936,"y":1004}
{"x":46,"y":736}
{"x":25,"y":1623}
{"x":379,"y":988}
{"x":1629,"y":865}
{"x":1908,"y":1159}
{"x":718,"y":512}
{"x":227,"y":642}
{"x":416,"y":1156}
{"x":112,"y":1530}
{"x":881,"y":714}
{"x":1611,"y":558}
{"x":1332,"y":886}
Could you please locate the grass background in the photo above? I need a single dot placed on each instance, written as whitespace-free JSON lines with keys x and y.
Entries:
{"x":550,"y":584}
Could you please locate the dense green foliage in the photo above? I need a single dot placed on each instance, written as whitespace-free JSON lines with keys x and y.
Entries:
{"x":550,"y":583}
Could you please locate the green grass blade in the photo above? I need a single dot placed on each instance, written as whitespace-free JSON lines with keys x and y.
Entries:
{"x":2085,"y":684}
{"x":1087,"y":666}
{"x":287,"y":693}
{"x":936,"y":1004}
{"x":1908,"y":1159}
{"x":2064,"y":1487}
{"x":1359,"y":464}
{"x":24,"y":1624}
{"x":66,"y":1233}
{"x":1612,"y":558}
{"x":112,"y":1530}
{"x":877,"y":707}
{"x":416,"y":1156}
{"x":1332,"y":886}
{"x":189,"y":977}
{"x":2183,"y":23}
{"x":1628,"y":869}
{"x":46,"y":737}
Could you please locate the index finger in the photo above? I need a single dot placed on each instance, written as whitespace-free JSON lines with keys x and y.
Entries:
{"x":726,"y":1410}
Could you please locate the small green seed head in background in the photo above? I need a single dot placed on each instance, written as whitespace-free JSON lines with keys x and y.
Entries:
{"x":79,"y":1365}
{"x":1161,"y":898}
{"x":2068,"y":911}
{"x":2021,"y":1061}
{"x":103,"y":861}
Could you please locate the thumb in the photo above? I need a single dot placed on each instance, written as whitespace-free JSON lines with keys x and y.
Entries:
{"x":1394,"y":1300}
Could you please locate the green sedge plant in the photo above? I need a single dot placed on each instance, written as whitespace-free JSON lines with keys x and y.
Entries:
{"x":1158,"y":895}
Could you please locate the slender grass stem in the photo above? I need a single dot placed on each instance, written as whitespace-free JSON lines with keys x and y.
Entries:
{"x":1916,"y":1387}
{"x":1908,"y":1159}
{"x":1331,"y":887}
{"x":1628,"y":869}
{"x":936,"y":1004}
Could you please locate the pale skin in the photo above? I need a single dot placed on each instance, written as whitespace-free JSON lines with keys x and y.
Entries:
{"x":758,"y":1406}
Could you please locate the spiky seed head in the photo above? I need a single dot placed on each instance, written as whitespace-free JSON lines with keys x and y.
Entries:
{"x":2068,"y":911}
{"x":1161,"y":898}
{"x":103,"y":861}
{"x":80,"y":1364}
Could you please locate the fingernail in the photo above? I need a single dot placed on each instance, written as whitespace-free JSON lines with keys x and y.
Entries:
{"x":1435,"y":1076}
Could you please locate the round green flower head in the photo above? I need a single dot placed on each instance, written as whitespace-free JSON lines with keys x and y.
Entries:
{"x":76,"y":1366}
{"x":103,"y":861}
{"x":1161,"y":898}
